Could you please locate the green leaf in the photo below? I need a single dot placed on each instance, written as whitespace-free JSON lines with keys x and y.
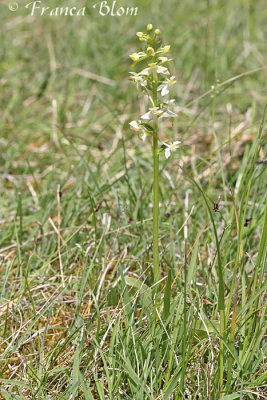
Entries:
{"x":14,"y":383}
{"x":148,"y":127}
{"x":213,"y":327}
{"x":172,"y":385}
{"x":126,"y":296}
{"x":9,"y":396}
{"x":113,"y":296}
{"x":231,"y":396}
{"x":140,"y":289}
{"x":76,"y":372}
{"x":86,"y":390}
{"x":167,"y":297}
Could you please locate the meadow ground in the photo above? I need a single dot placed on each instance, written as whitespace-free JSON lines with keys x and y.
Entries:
{"x":77,"y":318}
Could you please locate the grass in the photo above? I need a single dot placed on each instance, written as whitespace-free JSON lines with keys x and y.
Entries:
{"x":76,"y":208}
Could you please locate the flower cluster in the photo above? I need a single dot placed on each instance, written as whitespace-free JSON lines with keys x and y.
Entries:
{"x":156,"y":82}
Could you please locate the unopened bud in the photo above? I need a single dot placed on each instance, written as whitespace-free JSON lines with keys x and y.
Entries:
{"x":149,"y":27}
{"x":134,"y":56}
{"x":150,"y":51}
{"x":157,"y":32}
{"x":166,"y":49}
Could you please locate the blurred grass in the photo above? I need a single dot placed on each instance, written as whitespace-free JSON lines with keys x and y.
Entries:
{"x":59,"y":127}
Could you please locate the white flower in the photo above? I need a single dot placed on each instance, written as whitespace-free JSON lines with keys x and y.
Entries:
{"x":134,"y":125}
{"x":140,"y":81}
{"x":171,"y":147}
{"x":147,"y":116}
{"x":139,"y":128}
{"x":167,"y":113}
{"x":154,"y":69}
{"x":164,"y":88}
{"x":170,"y":102}
{"x":164,"y":60}
{"x":142,"y":136}
{"x":153,"y":112}
{"x":157,"y":112}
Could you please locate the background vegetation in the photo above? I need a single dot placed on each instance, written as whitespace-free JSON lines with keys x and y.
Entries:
{"x":65,"y":108}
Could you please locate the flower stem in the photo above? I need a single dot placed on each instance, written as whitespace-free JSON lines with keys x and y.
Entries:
{"x":156,"y":208}
{"x":155,"y":198}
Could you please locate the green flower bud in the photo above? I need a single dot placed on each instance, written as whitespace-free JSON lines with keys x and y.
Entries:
{"x":150,"y":51}
{"x":134,"y":56}
{"x":166,"y":49}
{"x":157,"y":32}
{"x":149,"y":27}
{"x":139,"y":34}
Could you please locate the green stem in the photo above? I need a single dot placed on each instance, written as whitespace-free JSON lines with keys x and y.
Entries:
{"x":221,"y":363}
{"x":155,"y":197}
{"x":156,"y":207}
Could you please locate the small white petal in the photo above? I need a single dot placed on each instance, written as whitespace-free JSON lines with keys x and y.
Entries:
{"x":164,"y":115}
{"x":167,"y":152}
{"x":134,"y":125}
{"x":147,"y":116}
{"x":145,"y":71}
{"x":165,"y":90}
{"x":163,"y":59}
{"x":143,"y":136}
{"x":162,"y":70}
{"x":170,"y":113}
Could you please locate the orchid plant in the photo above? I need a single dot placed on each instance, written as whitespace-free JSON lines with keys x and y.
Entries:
{"x":156,"y":83}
